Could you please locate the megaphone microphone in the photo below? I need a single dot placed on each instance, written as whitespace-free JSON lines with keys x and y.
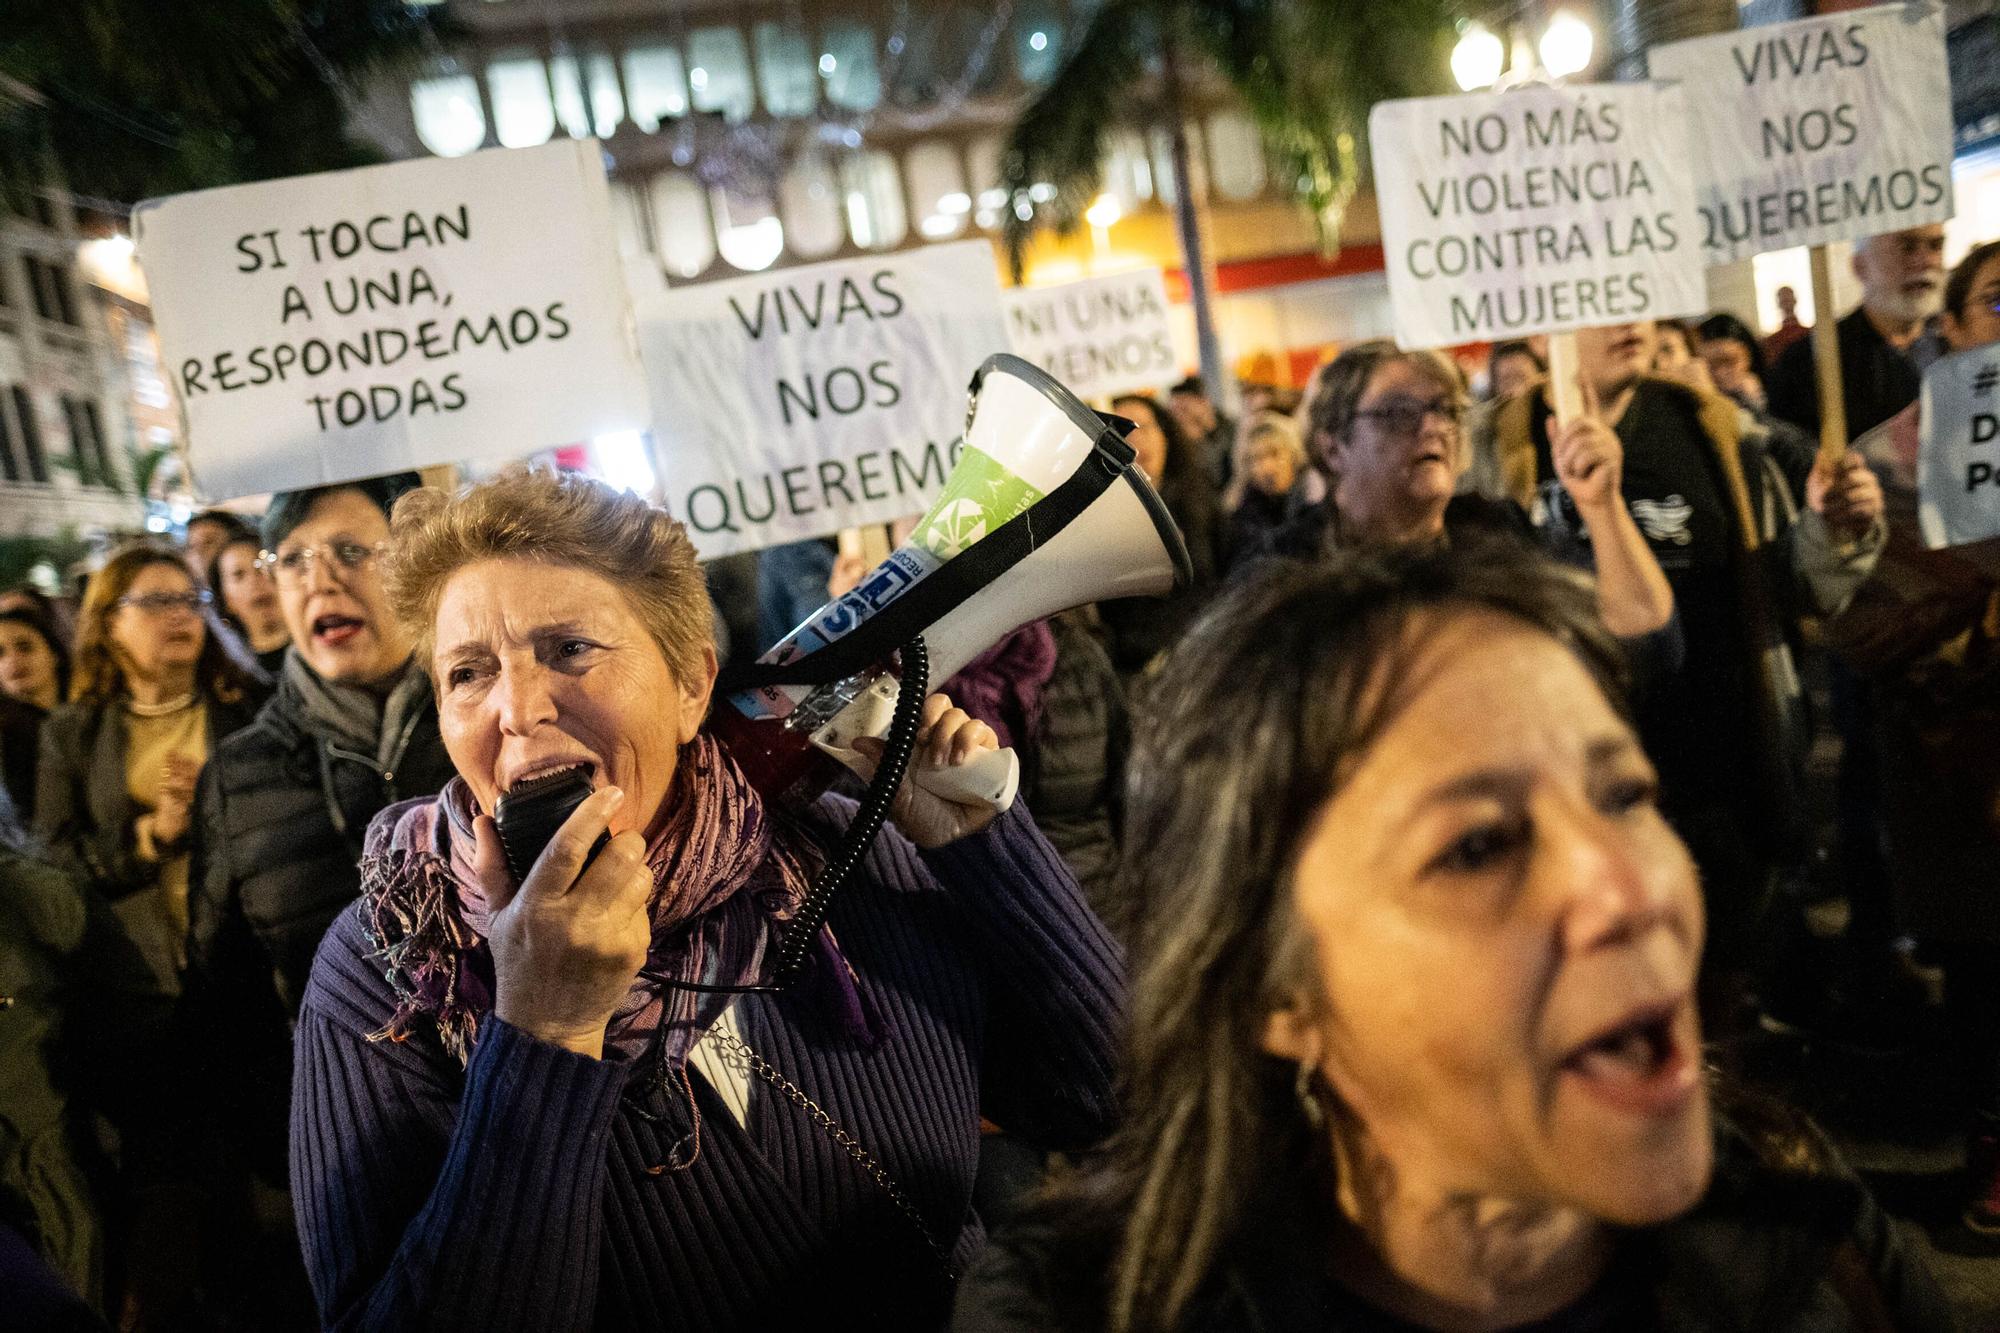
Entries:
{"x":1044,"y":511}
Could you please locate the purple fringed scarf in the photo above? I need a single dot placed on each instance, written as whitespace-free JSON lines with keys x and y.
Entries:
{"x":721,"y":882}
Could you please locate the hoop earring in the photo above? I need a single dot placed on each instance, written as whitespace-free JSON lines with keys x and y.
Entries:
{"x":1308,"y":1096}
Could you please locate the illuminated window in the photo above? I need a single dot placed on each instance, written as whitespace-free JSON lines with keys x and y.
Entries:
{"x":447,"y":113}
{"x":587,"y":98}
{"x":809,"y":201}
{"x":849,"y":66}
{"x":786,"y":76}
{"x":719,"y":73}
{"x":1038,"y":40}
{"x":1236,"y":156}
{"x":655,"y":85}
{"x":872,"y":190}
{"x":680,"y":225}
{"x":747,"y":230}
{"x":1128,"y":174}
{"x":523,"y":115}
{"x":938,"y":197}
{"x":1162,"y":144}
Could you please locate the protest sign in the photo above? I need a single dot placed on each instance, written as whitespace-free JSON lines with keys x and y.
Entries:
{"x":801,"y":402}
{"x":1535,"y":211}
{"x":1101,"y":336}
{"x":1958,"y":460}
{"x":1825,"y":129}
{"x":328,"y":327}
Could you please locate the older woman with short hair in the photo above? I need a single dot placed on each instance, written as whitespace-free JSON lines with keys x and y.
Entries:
{"x":500,"y":1121}
{"x":1414,"y":1041}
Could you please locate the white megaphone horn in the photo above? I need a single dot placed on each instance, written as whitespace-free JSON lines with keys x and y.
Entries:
{"x":1045,"y":510}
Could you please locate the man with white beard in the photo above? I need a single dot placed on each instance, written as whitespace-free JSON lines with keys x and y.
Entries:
{"x":1902,"y":287}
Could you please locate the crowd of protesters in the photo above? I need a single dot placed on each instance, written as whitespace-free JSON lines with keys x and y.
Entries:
{"x":1440,"y":820}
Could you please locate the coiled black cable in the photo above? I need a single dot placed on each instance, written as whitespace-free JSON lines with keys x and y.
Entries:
{"x":795,"y":943}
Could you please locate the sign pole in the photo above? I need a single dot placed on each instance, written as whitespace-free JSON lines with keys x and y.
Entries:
{"x":1826,"y":364}
{"x":1566,"y":392}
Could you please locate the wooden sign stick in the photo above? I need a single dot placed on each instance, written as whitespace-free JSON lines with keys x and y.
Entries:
{"x":1826,"y":364}
{"x":1565,"y":391}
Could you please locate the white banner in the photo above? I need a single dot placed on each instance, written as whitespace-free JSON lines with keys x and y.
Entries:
{"x":1535,"y":211}
{"x":817,"y":398}
{"x":324,"y":328}
{"x":1101,"y":336}
{"x":1958,"y":465}
{"x":1827,"y":129}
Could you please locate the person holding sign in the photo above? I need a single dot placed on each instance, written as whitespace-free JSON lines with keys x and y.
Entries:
{"x":1902,"y":286}
{"x":551,"y":1137}
{"x":1413,"y":1040}
{"x":1386,"y":425}
{"x":1728,"y":732}
{"x":1925,"y":633}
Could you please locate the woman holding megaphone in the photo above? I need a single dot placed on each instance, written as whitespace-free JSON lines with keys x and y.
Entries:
{"x":567,"y":1097}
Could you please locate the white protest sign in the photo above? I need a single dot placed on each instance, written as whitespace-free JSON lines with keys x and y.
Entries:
{"x":1535,"y":211}
{"x":818,"y":398}
{"x":1101,"y":336}
{"x":1958,"y":463}
{"x":1826,"y":129}
{"x":329,"y":327}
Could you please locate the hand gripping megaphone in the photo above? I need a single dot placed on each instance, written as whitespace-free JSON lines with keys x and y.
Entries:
{"x":1045,"y":510}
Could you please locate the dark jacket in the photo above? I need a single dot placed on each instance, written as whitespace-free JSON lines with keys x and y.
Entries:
{"x":20,"y":752}
{"x":84,"y":812}
{"x":1877,"y":381}
{"x":1770,"y":1249}
{"x":1074,"y":764}
{"x":279,"y":820}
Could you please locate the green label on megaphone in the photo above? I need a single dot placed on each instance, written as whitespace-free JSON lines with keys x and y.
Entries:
{"x":980,"y":495}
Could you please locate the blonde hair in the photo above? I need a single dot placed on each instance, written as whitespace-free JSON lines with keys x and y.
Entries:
{"x":552,"y":518}
{"x":1265,"y":425}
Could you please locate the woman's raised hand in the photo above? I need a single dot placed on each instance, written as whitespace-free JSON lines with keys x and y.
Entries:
{"x":566,"y":945}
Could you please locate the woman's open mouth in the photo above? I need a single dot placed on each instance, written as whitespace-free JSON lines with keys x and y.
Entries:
{"x":542,"y":768}
{"x":1647,"y":1065}
{"x":334,"y":630}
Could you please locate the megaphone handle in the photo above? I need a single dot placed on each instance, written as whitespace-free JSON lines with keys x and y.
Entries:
{"x":990,"y":778}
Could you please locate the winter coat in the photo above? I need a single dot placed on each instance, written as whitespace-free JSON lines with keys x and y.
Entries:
{"x":84,"y":814}
{"x":1074,"y":763}
{"x":1796,"y":1246}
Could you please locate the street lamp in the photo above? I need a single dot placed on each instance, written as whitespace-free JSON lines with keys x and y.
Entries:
{"x":1566,"y":45}
{"x":1476,"y":60}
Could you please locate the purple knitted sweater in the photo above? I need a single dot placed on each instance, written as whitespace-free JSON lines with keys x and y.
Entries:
{"x":515,"y":1193}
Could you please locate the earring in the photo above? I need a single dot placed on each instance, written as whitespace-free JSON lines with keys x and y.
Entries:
{"x":1308,"y":1095}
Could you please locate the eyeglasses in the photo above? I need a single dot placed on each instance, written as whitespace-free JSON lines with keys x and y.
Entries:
{"x":160,"y":603}
{"x":1408,"y":418}
{"x":295,"y":566}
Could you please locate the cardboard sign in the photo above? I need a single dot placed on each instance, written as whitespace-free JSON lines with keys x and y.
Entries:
{"x":1826,"y":129}
{"x":1958,"y":463}
{"x":1101,"y":336}
{"x":1535,"y":211}
{"x":329,"y":327}
{"x":813,"y":399}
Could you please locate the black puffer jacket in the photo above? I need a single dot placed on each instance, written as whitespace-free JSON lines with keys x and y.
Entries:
{"x":280,"y":817}
{"x":1076,"y":760}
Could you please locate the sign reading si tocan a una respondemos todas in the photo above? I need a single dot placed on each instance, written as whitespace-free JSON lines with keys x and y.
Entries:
{"x":329,"y":327}
{"x":818,"y":398}
{"x":1535,"y":211}
{"x":1101,"y":336}
{"x":1826,"y":129}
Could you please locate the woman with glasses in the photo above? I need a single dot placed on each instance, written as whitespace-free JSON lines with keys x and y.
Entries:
{"x":1383,"y":425}
{"x":157,"y":681}
{"x":247,"y":598}
{"x":500,"y":1121}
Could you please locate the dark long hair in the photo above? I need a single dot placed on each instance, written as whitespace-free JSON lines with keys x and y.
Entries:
{"x":1261,"y":713}
{"x":225,"y":670}
{"x":44,"y":625}
{"x":1725,"y":327}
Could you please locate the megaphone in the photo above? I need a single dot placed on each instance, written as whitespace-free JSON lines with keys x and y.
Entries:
{"x":1044,"y":511}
